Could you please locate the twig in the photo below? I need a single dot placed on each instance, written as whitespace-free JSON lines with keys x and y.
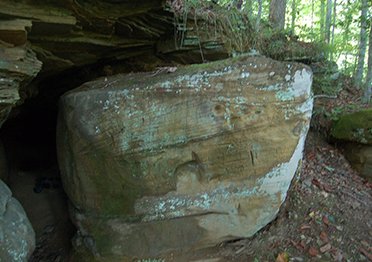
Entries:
{"x":325,"y":96}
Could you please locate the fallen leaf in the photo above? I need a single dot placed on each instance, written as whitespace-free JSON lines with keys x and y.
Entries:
{"x":325,"y":220}
{"x":282,"y":257}
{"x":316,"y":183}
{"x":325,"y":248}
{"x":297,"y":245}
{"x":365,"y":253}
{"x":327,"y":188}
{"x":313,"y":251}
{"x":324,"y":237}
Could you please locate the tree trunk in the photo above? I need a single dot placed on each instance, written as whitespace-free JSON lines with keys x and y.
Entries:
{"x":368,"y":85}
{"x":358,"y":77}
{"x":294,"y":12}
{"x":348,"y":19}
{"x":277,"y":14}
{"x":259,"y":13}
{"x":322,"y":16}
{"x":312,"y":20}
{"x":333,"y":29}
{"x":239,"y":4}
{"x":328,"y":21}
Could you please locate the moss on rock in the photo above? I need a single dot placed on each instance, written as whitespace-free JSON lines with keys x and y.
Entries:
{"x":356,"y":127}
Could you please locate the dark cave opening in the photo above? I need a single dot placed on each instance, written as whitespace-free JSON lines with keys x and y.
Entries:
{"x":29,"y":140}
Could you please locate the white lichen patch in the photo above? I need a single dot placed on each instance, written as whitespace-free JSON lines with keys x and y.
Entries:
{"x":274,"y":87}
{"x":244,"y":75}
{"x":300,"y":86}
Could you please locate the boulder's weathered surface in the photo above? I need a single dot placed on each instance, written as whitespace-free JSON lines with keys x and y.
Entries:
{"x":167,"y":161}
{"x":17,"y":238}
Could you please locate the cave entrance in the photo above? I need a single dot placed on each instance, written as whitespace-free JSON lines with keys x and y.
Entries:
{"x":29,"y":140}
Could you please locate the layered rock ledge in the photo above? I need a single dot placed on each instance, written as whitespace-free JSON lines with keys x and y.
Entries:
{"x":159,"y":162}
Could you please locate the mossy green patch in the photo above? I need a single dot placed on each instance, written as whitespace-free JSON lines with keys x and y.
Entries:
{"x":356,"y":127}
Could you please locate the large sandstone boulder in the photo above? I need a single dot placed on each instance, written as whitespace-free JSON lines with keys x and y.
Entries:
{"x":158,"y":162}
{"x":17,"y":238}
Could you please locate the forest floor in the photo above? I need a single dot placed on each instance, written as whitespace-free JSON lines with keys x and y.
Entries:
{"x":326,"y":216}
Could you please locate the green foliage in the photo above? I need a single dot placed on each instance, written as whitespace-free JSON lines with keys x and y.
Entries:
{"x":230,"y":23}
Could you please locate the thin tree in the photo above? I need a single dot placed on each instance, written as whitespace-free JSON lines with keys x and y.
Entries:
{"x":259,"y":13}
{"x":277,"y":14}
{"x":358,"y":76}
{"x":368,"y":86}
{"x":333,"y":28}
{"x":348,"y":17}
{"x":312,"y":19}
{"x":239,"y":4}
{"x":322,"y":16}
{"x":328,"y":18}
{"x":294,"y":13}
